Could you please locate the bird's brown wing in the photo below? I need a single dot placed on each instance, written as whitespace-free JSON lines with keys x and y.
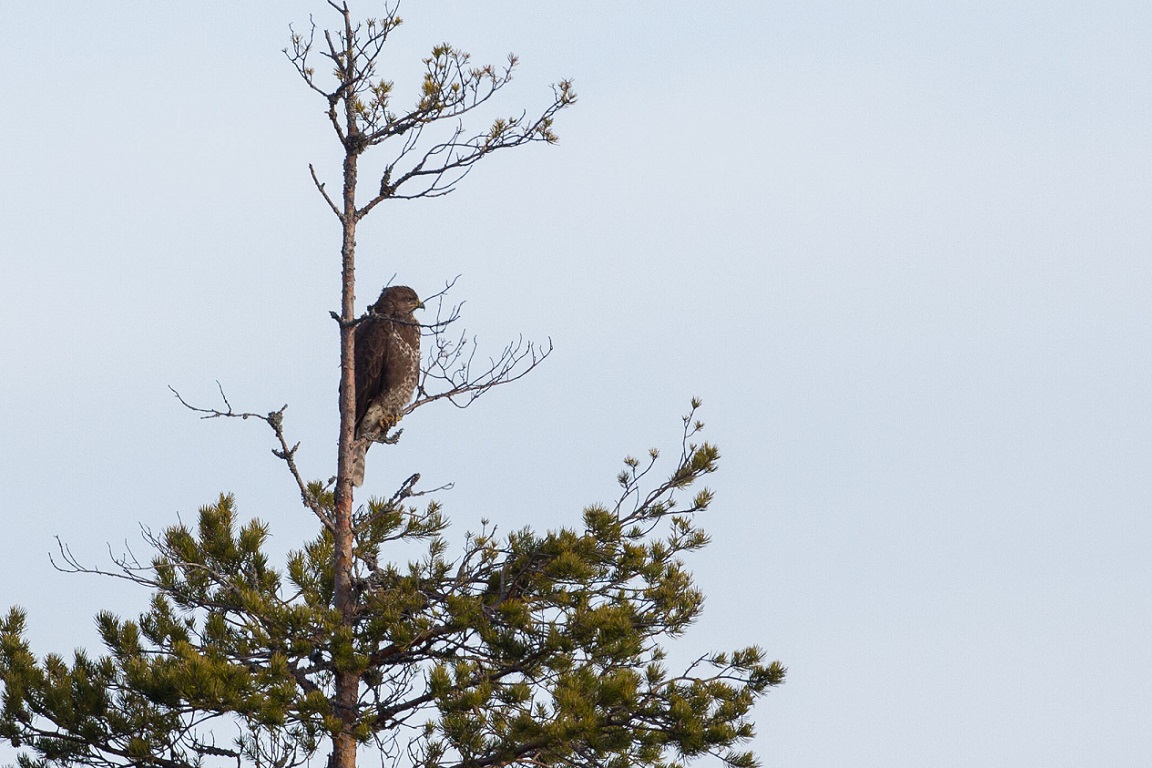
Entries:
{"x":373,"y":342}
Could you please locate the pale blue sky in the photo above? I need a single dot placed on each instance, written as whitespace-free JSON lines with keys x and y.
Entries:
{"x":900,"y":249}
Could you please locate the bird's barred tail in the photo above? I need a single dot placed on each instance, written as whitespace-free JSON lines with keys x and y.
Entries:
{"x":359,"y":454}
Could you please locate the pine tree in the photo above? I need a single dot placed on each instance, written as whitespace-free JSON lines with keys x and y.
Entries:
{"x":526,"y":648}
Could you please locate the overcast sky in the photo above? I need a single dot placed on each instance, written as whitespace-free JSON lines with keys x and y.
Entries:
{"x":900,"y":249}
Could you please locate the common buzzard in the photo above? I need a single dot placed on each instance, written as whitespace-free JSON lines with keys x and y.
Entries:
{"x":387,"y":368}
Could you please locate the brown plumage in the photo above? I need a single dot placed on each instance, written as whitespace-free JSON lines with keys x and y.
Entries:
{"x":387,"y":368}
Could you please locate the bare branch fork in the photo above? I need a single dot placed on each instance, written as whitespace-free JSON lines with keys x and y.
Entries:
{"x":274,"y":419}
{"x":451,"y":370}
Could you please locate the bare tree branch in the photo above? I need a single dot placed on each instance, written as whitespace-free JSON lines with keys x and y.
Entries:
{"x":453,"y":373}
{"x":275,"y":420}
{"x":323,"y":192}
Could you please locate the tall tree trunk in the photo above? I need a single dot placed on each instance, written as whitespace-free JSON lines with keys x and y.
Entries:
{"x":347,"y":681}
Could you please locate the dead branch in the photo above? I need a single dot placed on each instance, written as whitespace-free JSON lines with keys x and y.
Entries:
{"x":323,"y":192}
{"x":453,"y":373}
{"x":275,"y":420}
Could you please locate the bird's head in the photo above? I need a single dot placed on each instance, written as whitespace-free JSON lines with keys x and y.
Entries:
{"x":396,"y":301}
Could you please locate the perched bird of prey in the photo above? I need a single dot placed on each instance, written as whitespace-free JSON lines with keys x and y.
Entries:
{"x":387,"y":368}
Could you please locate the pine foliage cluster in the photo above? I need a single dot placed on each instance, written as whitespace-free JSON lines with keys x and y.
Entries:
{"x":524,"y":648}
